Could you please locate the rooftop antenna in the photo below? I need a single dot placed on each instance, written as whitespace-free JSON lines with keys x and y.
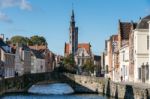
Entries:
{"x":72,"y":6}
{"x":72,"y":16}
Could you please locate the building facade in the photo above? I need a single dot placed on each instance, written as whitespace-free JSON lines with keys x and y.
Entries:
{"x":7,"y":60}
{"x":37,"y":62}
{"x":131,"y":54}
{"x":141,"y":51}
{"x":22,"y":59}
{"x":108,"y":59}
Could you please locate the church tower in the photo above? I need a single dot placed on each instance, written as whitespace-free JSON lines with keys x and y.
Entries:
{"x":73,"y":35}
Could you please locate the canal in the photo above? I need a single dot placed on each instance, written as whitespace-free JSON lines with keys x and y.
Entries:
{"x":52,"y":91}
{"x":72,"y":96}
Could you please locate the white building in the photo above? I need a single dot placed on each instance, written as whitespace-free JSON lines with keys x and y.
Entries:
{"x":7,"y":60}
{"x":124,"y":62}
{"x":141,"y":51}
{"x":115,"y":56}
{"x":107,"y":58}
{"x":22,"y":60}
{"x":37,"y":62}
{"x":81,"y":56}
{"x":18,"y":63}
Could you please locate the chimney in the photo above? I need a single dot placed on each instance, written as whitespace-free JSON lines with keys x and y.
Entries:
{"x":2,"y":36}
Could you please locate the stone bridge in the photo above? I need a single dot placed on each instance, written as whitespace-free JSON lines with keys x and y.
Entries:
{"x":80,"y":84}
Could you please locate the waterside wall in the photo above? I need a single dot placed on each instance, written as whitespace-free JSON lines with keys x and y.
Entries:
{"x":81,"y":84}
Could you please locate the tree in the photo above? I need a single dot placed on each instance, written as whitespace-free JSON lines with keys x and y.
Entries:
{"x":88,"y":66}
{"x":19,"y":39}
{"x":69,"y":60}
{"x":69,"y":63}
{"x":40,"y":40}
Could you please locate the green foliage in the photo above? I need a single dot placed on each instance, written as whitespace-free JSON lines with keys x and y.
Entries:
{"x":19,"y":39}
{"x":88,"y":66}
{"x":69,"y":60}
{"x":69,"y":64}
{"x":40,"y":40}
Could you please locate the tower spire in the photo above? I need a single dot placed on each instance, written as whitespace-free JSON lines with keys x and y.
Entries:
{"x":73,"y":34}
{"x":72,"y":16}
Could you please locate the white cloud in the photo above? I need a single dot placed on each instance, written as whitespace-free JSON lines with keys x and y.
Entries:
{"x":22,"y":4}
{"x":25,"y":5}
{"x":5,"y":18}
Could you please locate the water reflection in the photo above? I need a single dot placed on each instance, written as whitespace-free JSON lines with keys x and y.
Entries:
{"x":56,"y":88}
{"x":73,"y":96}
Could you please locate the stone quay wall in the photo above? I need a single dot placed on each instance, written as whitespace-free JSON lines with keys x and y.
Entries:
{"x":81,"y":84}
{"x":107,"y":87}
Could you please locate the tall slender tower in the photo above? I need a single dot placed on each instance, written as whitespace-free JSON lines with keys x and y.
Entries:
{"x":73,"y":38}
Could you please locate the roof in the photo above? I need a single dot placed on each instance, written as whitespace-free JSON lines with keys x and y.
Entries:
{"x":2,"y":43}
{"x":5,"y":47}
{"x":37,"y":54}
{"x":86,"y":46}
{"x":37,"y":47}
{"x":25,"y":47}
{"x":126,"y":28}
{"x":143,"y":23}
{"x":114,"y":37}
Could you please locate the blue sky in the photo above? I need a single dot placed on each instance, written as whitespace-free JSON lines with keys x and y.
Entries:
{"x":96,"y":19}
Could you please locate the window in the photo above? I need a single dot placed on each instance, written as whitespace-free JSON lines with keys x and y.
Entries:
{"x":147,"y":72}
{"x":139,"y":73}
{"x":148,"y":42}
{"x":123,"y":57}
{"x":78,"y":61}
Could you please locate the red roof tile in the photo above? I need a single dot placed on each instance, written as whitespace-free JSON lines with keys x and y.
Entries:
{"x":114,"y":37}
{"x":38,"y":47}
{"x":80,"y":45}
{"x":125,"y":30}
{"x":85,"y":45}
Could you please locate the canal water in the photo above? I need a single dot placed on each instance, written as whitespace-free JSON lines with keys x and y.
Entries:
{"x":52,"y":91}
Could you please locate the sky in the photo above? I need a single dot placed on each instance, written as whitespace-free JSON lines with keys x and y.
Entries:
{"x":97,"y":20}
